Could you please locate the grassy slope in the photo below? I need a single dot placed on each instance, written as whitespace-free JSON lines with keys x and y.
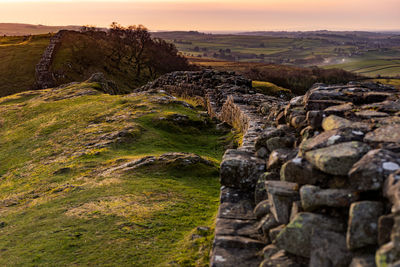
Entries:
{"x":57,"y":208}
{"x":18,"y":57}
{"x":268,"y":88}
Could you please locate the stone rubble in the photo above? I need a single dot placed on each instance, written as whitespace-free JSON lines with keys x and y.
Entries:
{"x":315,"y":181}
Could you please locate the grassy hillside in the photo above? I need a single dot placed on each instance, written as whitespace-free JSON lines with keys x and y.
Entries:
{"x":69,"y":197}
{"x":18,"y":29}
{"x":18,"y":57}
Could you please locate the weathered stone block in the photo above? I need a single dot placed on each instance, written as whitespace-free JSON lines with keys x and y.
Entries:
{"x":370,"y":172}
{"x":313,"y":197}
{"x":328,"y":248}
{"x":300,"y":171}
{"x":296,"y":236}
{"x":240,"y":169}
{"x":362,"y":227}
{"x":337,"y":159}
{"x":281,"y":195}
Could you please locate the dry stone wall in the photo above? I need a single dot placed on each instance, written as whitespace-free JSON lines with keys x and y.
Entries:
{"x":315,"y":182}
{"x":44,"y":77}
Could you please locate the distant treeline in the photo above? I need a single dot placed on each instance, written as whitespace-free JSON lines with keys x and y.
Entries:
{"x":127,"y":55}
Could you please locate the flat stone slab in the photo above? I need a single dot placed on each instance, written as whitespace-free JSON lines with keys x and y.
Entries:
{"x":245,"y":228}
{"x":222,"y":257}
{"x":337,"y":159}
{"x":313,"y":197}
{"x":384,"y":134}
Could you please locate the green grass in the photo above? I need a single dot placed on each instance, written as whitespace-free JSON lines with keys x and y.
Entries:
{"x":59,"y":206}
{"x":268,"y":88}
{"x":19,"y":56}
{"x":393,"y":82}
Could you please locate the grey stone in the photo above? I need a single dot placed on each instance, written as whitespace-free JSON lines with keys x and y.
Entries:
{"x":328,"y":248}
{"x":262,"y":209}
{"x":387,"y":254}
{"x":281,"y":195}
{"x":280,"y":156}
{"x":314,"y":119}
{"x":339,"y":110}
{"x":333,"y":122}
{"x":298,"y":121}
{"x":337,"y":159}
{"x":296,"y":237}
{"x":363,"y":261}
{"x":262,"y":153}
{"x":296,"y":209}
{"x":237,"y":242}
{"x":329,"y":138}
{"x":280,"y":259}
{"x":386,"y":133}
{"x":362,"y":227}
{"x":235,"y":227}
{"x":280,"y":142}
{"x":313,"y":197}
{"x":300,"y":171}
{"x":274,"y":232}
{"x":240,"y":169}
{"x":385,"y":226}
{"x":367,"y":114}
{"x":391,"y":190}
{"x":266,"y":224}
{"x":267,"y":134}
{"x":269,"y":250}
{"x":370,"y":172}
{"x":239,"y":257}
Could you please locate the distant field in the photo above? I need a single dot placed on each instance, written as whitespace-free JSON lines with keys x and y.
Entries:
{"x":17,"y":29}
{"x":360,"y":55}
{"x":18,"y":57}
{"x":373,"y":64}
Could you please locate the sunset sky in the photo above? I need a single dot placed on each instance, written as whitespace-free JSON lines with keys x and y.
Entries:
{"x":218,"y":15}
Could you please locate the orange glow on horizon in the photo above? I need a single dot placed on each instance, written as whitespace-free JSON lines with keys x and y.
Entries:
{"x":205,"y":15}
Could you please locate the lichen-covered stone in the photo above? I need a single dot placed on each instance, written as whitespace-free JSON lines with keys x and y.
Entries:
{"x":296,"y":236}
{"x":331,"y":137}
{"x":279,"y":156}
{"x":391,"y":190}
{"x":300,"y":171}
{"x":387,"y":133}
{"x":262,"y":209}
{"x":313,"y":197}
{"x":281,"y":195}
{"x":362,"y":227}
{"x":240,"y":169}
{"x":329,"y":249}
{"x":337,"y":159}
{"x":370,"y":172}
